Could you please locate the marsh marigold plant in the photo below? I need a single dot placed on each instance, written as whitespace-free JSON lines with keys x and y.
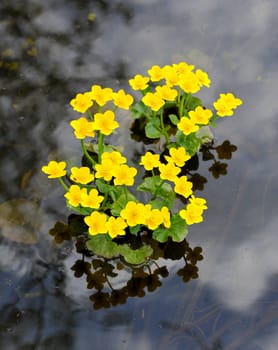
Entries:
{"x":107,"y":187}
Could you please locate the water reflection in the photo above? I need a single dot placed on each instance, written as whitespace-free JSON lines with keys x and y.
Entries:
{"x":102,"y":274}
{"x":48,"y":52}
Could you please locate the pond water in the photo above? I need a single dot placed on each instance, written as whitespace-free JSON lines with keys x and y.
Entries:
{"x":51,"y":50}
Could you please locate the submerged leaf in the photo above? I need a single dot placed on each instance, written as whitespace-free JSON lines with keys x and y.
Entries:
{"x":20,"y":220}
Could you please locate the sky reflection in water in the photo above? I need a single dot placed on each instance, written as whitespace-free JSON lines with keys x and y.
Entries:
{"x":233,"y":304}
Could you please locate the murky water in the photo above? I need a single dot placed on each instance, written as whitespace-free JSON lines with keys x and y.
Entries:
{"x":49,"y":51}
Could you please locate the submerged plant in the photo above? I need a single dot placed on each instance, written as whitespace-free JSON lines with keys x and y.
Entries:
{"x":102,"y":189}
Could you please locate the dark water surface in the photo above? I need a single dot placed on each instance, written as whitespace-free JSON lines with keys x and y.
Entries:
{"x":50,"y":50}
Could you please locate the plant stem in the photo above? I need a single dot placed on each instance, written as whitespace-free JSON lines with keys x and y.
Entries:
{"x":90,"y":159}
{"x":90,"y":115}
{"x":158,"y":188}
{"x":181,"y":105}
{"x":187,"y":99}
{"x":100,"y":146}
{"x":63,"y":183}
{"x":161,"y":119}
{"x":164,"y":131}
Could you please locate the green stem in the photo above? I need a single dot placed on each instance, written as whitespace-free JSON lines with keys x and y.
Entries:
{"x":63,"y":183}
{"x":164,"y":131}
{"x":161,"y":119}
{"x":158,"y":188}
{"x":126,"y":194}
{"x":187,"y":100}
{"x":90,"y":115}
{"x":90,"y":159}
{"x":100,"y":146}
{"x":181,"y":105}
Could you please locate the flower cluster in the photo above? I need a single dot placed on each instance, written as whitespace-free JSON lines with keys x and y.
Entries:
{"x":102,"y":189}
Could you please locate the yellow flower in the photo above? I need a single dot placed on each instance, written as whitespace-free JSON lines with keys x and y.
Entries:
{"x":97,"y":223}
{"x":105,"y":122}
{"x":183,"y":187}
{"x":226,"y":103}
{"x":187,"y":126}
{"x":81,"y":103}
{"x":153,"y":100}
{"x":91,"y":199}
{"x":166,"y":93}
{"x":183,"y":67}
{"x":170,"y":75}
{"x":200,"y":115}
{"x":230,"y":100}
{"x":104,"y":170}
{"x":116,"y":226}
{"x":81,"y":175}
{"x":156,"y":73}
{"x":178,"y":156}
{"x":154,"y":219}
{"x":222,"y":108}
{"x":133,"y":213}
{"x":101,"y":95}
{"x":192,"y":214}
{"x":188,"y":82}
{"x":124,"y":175}
{"x":150,"y":161}
{"x":201,"y":202}
{"x":74,"y":195}
{"x":54,"y":169}
{"x":168,"y":171}
{"x":139,"y":82}
{"x":122,"y":100}
{"x":166,"y":217}
{"x":203,"y":78}
{"x":115,"y":157}
{"x":82,"y":128}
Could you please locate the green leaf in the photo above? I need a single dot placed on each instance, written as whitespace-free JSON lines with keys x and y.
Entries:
{"x":93,"y":147}
{"x":190,"y":142}
{"x":161,"y":235}
{"x":151,"y":184}
{"x":121,"y":202}
{"x":103,"y":186}
{"x":103,"y":246}
{"x":139,"y":110}
{"x":137,"y":256}
{"x":204,"y":134}
{"x":213,"y":120}
{"x":79,"y":210}
{"x":193,"y":103}
{"x":134,"y":229}
{"x":174,"y":119}
{"x":152,"y":130}
{"x":159,"y":203}
{"x":178,"y":230}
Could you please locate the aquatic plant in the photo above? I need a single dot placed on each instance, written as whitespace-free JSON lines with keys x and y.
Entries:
{"x":103,"y":189}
